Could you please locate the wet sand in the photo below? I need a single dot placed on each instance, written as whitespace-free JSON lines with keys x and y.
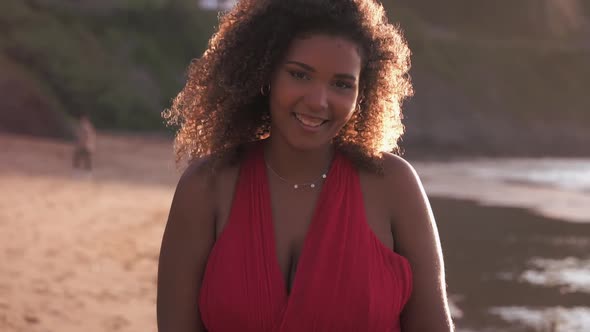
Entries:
{"x":488,"y":249}
{"x":79,"y":253}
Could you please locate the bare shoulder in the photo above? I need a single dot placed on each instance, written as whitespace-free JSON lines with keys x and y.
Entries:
{"x":192,"y":211}
{"x":416,"y":237}
{"x":200,"y":184}
{"x":196,"y":177}
{"x":411,"y":216}
{"x":192,"y":196}
{"x":188,"y":238}
{"x":403,"y":184}
{"x":397,"y":168}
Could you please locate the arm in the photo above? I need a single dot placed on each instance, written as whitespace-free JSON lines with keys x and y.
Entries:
{"x":416,"y":238}
{"x":187,"y":241}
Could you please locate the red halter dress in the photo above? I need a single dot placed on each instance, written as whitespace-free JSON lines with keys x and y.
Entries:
{"x":346,"y":279}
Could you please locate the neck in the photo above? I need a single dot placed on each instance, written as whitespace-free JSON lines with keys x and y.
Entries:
{"x":297,"y":165}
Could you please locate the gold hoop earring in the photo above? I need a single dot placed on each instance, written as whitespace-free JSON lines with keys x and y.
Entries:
{"x":264,"y":91}
{"x":360,"y":98}
{"x":357,"y":107}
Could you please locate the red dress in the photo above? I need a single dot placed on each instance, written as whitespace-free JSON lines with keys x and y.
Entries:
{"x":346,"y":279}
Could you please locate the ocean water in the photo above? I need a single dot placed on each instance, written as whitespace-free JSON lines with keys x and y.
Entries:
{"x":557,"y":188}
{"x":566,"y":174}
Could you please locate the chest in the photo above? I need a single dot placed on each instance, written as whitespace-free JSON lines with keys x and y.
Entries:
{"x":293,"y":211}
{"x":339,"y":275}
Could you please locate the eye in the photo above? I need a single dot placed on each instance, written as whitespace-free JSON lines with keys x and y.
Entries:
{"x":299,"y":75}
{"x":343,"y":85}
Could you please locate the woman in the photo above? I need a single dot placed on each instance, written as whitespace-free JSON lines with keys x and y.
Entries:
{"x":293,"y":215}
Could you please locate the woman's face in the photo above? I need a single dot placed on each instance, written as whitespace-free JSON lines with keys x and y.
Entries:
{"x":314,"y":90}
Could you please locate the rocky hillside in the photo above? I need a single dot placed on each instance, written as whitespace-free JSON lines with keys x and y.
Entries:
{"x":498,"y":77}
{"x":492,"y":77}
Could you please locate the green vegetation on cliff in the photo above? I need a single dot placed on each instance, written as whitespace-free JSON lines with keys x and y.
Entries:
{"x":121,"y":62}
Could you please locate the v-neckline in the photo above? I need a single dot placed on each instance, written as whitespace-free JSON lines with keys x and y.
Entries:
{"x":286,"y":288}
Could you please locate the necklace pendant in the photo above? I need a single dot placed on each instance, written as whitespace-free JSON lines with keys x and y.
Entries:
{"x":312,"y":185}
{"x":295,"y":186}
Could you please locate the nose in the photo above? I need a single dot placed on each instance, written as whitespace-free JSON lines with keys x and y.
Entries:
{"x":317,"y":99}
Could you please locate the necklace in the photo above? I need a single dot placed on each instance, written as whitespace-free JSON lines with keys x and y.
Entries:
{"x":296,"y":185}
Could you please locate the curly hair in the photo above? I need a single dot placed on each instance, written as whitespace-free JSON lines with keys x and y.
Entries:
{"x":221,"y":107}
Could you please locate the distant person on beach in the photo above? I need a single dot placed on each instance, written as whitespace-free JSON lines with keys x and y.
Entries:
{"x":85,"y":143}
{"x":293,"y":214}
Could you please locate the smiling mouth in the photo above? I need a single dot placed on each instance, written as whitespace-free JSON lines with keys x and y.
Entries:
{"x":309,"y":121}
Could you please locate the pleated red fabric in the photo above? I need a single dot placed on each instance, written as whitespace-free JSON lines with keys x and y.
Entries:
{"x":346,"y":279}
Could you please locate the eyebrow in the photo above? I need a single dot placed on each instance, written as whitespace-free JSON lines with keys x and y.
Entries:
{"x":311,"y":69}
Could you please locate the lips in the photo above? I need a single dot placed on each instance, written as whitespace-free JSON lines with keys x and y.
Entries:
{"x":309,"y":121}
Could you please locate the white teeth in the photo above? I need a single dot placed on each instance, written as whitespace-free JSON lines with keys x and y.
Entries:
{"x":309,"y":121}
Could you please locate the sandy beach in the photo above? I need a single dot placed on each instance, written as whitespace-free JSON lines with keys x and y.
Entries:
{"x":79,"y":252}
